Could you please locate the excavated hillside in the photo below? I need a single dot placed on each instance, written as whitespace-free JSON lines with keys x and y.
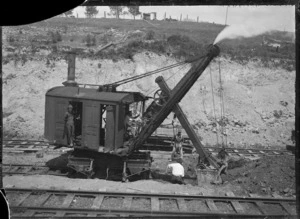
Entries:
{"x":259,"y":99}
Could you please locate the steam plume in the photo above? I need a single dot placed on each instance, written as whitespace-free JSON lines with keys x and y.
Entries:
{"x":248,"y":29}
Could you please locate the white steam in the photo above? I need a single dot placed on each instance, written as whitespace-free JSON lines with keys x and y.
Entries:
{"x":248,"y":29}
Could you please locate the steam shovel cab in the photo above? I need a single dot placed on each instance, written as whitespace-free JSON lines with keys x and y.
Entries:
{"x":99,"y":129}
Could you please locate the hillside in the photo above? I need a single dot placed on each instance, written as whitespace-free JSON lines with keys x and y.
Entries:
{"x":258,"y":81}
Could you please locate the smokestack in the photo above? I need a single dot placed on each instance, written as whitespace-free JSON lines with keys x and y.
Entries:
{"x":71,"y":71}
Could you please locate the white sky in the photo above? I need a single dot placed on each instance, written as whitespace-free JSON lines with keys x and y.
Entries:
{"x":274,"y":17}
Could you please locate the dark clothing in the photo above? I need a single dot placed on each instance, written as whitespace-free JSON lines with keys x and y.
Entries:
{"x":177,"y":179}
{"x":177,"y":153}
{"x":69,"y":118}
{"x":69,"y":127}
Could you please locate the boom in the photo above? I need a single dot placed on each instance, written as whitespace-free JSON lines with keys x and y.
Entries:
{"x":180,"y":90}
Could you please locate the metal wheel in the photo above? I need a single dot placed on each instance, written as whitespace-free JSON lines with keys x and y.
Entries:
{"x":159,"y":97}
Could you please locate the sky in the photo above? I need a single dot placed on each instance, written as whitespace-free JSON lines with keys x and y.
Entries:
{"x":274,"y":17}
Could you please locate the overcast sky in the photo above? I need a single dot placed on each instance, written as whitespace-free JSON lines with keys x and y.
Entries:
{"x":274,"y":17}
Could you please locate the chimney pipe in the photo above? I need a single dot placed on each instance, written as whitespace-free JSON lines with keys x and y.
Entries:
{"x":71,"y":71}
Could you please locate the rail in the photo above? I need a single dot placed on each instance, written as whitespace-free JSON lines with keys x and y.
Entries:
{"x":66,"y":203}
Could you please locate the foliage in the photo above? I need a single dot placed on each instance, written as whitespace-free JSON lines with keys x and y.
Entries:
{"x":184,"y":47}
{"x":90,"y":40}
{"x":11,"y":39}
{"x":91,"y":11}
{"x":134,"y":10}
{"x":277,"y":113}
{"x":117,"y":10}
{"x":9,"y":77}
{"x":55,"y":37}
{"x":150,"y":35}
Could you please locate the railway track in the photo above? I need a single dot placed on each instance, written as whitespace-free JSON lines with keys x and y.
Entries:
{"x":21,"y":146}
{"x":60,"y":203}
{"x":26,"y":169}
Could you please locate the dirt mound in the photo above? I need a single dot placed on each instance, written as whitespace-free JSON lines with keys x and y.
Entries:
{"x":265,"y":176}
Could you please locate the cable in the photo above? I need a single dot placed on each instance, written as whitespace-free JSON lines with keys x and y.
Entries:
{"x":180,"y":68}
{"x":222,"y":105}
{"x":126,"y":80}
{"x":212,"y":92}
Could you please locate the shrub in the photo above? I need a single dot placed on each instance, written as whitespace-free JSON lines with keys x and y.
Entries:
{"x":106,"y":38}
{"x":54,"y":48}
{"x":55,"y":37}
{"x":90,"y":40}
{"x":65,"y":29}
{"x":277,"y":114}
{"x":24,"y":59}
{"x":11,"y":39}
{"x":9,"y":77}
{"x":150,"y":35}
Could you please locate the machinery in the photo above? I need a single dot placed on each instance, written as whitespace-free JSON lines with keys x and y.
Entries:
{"x":103,"y":144}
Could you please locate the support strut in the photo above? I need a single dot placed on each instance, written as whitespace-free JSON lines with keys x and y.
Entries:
{"x":186,"y":125}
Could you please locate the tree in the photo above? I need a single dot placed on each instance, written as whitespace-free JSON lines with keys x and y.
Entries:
{"x":117,"y":10}
{"x":91,"y":11}
{"x":68,"y":13}
{"x":134,"y":10}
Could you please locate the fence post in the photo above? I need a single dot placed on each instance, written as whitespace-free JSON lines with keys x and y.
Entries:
{"x":180,"y":17}
{"x":104,"y":14}
{"x":165,"y":16}
{"x":197,"y":19}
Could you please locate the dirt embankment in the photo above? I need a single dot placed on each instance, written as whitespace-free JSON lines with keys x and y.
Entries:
{"x":259,"y":102}
{"x":266,"y":176}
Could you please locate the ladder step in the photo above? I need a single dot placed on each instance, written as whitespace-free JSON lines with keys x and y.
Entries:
{"x":127,"y":202}
{"x":287,"y":208}
{"x":181,"y":204}
{"x":237,"y":207}
{"x":260,"y":205}
{"x":211,"y":205}
{"x":22,"y":199}
{"x":43,"y":198}
{"x":97,"y":201}
{"x":68,"y":200}
{"x":154,"y":204}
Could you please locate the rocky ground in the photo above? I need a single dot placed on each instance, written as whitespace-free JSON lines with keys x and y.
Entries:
{"x":259,"y":101}
{"x":249,"y":177}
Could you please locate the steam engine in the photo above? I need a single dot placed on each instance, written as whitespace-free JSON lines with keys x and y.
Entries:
{"x":100,"y":130}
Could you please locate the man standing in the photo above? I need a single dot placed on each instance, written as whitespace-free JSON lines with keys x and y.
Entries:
{"x":222,"y":160}
{"x":177,"y":172}
{"x":177,"y":153}
{"x":69,"y":125}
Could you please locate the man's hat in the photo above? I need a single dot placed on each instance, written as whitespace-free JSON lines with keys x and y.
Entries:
{"x":70,"y":106}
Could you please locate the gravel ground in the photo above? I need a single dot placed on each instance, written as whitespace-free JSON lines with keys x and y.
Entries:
{"x":141,"y":203}
{"x":58,"y":161}
{"x":268,"y":175}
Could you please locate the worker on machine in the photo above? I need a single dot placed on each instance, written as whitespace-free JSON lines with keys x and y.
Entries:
{"x":69,"y":125}
{"x":177,"y":172}
{"x":222,"y":160}
{"x":177,"y":153}
{"x":128,"y":124}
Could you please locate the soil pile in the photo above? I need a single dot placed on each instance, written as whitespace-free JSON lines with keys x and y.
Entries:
{"x":266,"y":176}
